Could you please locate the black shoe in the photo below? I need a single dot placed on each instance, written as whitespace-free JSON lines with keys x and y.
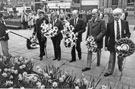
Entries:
{"x":98,"y":64}
{"x":72,"y":61}
{"x":59,"y":59}
{"x":120,"y":68}
{"x":85,"y":69}
{"x":41,"y":58}
{"x":55,"y":59}
{"x":107,"y":74}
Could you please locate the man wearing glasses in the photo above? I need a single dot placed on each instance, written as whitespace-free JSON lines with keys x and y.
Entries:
{"x":97,"y":29}
{"x":115,"y":30}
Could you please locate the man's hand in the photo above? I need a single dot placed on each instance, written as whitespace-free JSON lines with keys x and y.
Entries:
{"x":7,"y":31}
{"x":76,"y":33}
{"x":106,"y":49}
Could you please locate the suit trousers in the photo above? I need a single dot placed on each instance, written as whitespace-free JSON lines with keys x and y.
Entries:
{"x":57,"y":48}
{"x":42,"y":44}
{"x":4,"y":45}
{"x":112,"y":60}
{"x":89,"y":58}
{"x":73,"y":51}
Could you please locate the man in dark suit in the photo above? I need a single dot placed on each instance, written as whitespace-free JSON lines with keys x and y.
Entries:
{"x":4,"y":37}
{"x":37,"y":31}
{"x":57,"y":39}
{"x":115,"y":30}
{"x":79,"y":26}
{"x":96,"y":28}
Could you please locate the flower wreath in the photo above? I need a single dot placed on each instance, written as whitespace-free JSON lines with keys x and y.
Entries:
{"x":124,"y":47}
{"x":69,"y":36}
{"x":48,"y":30}
{"x":91,"y":44}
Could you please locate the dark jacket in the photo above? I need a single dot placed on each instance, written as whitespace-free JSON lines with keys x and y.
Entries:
{"x":97,"y":30}
{"x":3,"y":35}
{"x":80,"y":28}
{"x":110,"y":35}
{"x":59,"y":25}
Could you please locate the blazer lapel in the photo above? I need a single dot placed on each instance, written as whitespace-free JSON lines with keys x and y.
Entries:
{"x":95,"y":23}
{"x":113,"y":29}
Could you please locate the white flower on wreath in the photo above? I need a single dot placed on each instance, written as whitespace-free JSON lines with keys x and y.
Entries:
{"x":24,"y":73}
{"x":15,"y":71}
{"x":4,"y":74}
{"x":85,"y":81}
{"x":55,"y":84}
{"x":77,"y":87}
{"x":9,"y":83}
{"x":5,"y":69}
{"x":22,"y":88}
{"x":11,"y":77}
{"x":20,"y":77}
{"x":38,"y":67}
{"x":42,"y":87}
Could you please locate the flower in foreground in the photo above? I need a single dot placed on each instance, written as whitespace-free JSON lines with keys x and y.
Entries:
{"x":38,"y":84}
{"x":4,"y":75}
{"x":22,"y":88}
{"x":55,"y":84}
{"x":76,"y":87}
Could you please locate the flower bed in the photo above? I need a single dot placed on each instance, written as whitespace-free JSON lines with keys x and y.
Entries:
{"x":17,"y":72}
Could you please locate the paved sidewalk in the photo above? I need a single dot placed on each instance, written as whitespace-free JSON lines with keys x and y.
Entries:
{"x":17,"y":46}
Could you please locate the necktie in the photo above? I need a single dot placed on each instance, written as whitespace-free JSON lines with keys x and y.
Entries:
{"x":118,"y":31}
{"x":75,"y":22}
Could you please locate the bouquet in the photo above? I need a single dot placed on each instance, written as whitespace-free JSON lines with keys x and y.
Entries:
{"x":91,"y":44}
{"x":125,"y":47}
{"x":48,"y":30}
{"x":69,"y":36}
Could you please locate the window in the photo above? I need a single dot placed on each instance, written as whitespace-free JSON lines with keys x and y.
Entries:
{"x":130,"y":2}
{"x":115,"y":2}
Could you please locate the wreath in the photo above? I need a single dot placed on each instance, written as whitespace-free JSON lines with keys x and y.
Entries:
{"x":124,"y":47}
{"x":91,"y":44}
{"x":48,"y":30}
{"x":69,"y":36}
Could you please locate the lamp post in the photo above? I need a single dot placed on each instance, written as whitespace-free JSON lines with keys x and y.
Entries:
{"x":45,"y":5}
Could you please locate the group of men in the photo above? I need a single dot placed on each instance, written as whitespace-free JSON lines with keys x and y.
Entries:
{"x":96,"y":27}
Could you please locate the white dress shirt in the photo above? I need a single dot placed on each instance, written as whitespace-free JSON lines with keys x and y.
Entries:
{"x":115,"y":28}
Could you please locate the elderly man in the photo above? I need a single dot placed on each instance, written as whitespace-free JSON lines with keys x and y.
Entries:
{"x":97,"y":29}
{"x":115,"y":30}
{"x":79,"y":26}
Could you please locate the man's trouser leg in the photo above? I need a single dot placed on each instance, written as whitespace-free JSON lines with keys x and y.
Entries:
{"x":89,"y":59}
{"x":4,"y":45}
{"x":111,"y":63}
